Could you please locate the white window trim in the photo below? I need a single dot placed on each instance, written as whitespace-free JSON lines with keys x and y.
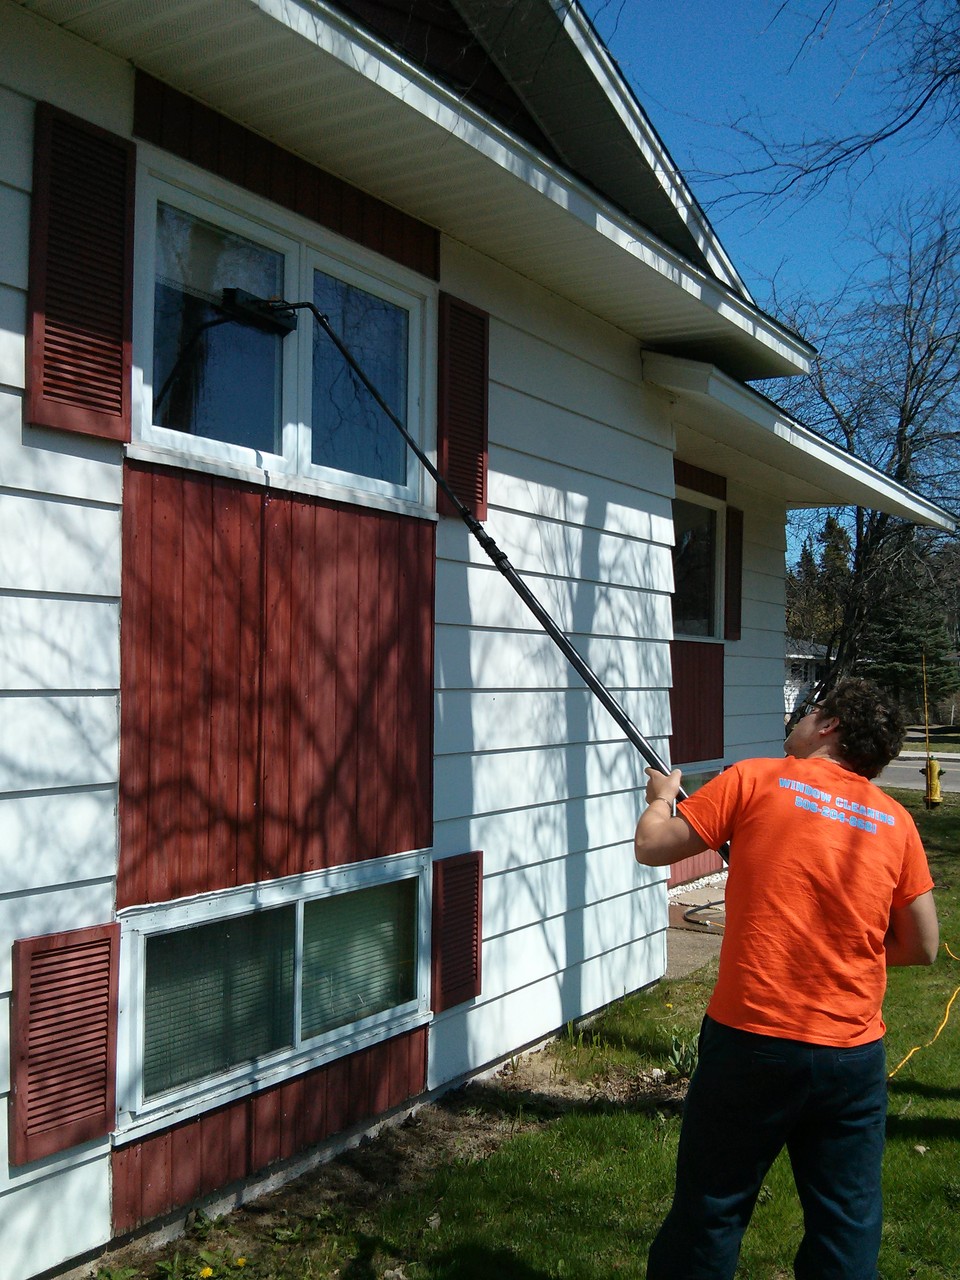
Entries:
{"x":698,"y":499}
{"x":138,"y":1116}
{"x":305,"y":245}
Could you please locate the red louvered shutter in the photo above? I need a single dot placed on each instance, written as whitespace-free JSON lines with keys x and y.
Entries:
{"x":733,"y":575}
{"x":457,"y":923}
{"x":80,"y":296}
{"x":63,"y":1055}
{"x":462,"y":404}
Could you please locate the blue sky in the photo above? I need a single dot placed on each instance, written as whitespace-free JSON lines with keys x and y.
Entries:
{"x":695,"y":66}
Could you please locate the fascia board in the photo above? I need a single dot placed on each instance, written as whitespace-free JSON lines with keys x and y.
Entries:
{"x":648,"y":142}
{"x":732,"y":413}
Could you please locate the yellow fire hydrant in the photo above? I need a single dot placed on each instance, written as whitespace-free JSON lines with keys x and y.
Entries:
{"x":932,"y":770}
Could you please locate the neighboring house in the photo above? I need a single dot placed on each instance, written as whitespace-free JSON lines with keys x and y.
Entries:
{"x":303,"y":816}
{"x":805,"y":665}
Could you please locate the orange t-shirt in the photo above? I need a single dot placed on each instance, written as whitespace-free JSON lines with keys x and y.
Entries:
{"x":818,"y":856}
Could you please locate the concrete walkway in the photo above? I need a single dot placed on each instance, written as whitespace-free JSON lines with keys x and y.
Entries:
{"x":696,"y":925}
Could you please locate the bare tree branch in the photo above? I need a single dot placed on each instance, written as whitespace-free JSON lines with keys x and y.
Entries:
{"x":916,"y":92}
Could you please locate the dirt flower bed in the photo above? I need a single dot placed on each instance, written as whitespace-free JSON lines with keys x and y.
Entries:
{"x":465,"y":1124}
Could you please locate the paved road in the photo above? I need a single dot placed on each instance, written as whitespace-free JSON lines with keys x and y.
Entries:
{"x":907,"y":774}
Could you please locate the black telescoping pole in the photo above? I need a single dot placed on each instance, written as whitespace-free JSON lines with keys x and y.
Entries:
{"x":499,"y":557}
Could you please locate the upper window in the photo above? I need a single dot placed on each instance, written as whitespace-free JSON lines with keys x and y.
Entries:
{"x":222,"y":386}
{"x":347,"y":426}
{"x":696,"y":567}
{"x":212,"y":375}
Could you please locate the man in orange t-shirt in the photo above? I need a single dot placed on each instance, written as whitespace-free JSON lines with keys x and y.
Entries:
{"x":828,"y":886}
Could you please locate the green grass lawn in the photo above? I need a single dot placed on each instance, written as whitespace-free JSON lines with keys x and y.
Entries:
{"x":579,"y":1196}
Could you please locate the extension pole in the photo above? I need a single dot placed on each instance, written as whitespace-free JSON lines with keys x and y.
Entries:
{"x":499,"y":558}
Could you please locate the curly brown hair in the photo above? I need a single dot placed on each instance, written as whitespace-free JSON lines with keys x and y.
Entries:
{"x":872,"y":727}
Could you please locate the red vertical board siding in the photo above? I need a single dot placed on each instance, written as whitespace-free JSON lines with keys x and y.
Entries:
{"x":197,"y":697}
{"x":172,"y":1169}
{"x":277,"y":704}
{"x":344,"y":831}
{"x":80,"y":294}
{"x":156,"y":1186}
{"x":135,"y":652}
{"x":369,"y":758}
{"x":317,"y":762}
{"x":688,"y":476}
{"x":695,"y":868}
{"x":381,"y":1079}
{"x":292,"y":1113}
{"x":303,"y":622}
{"x":338,"y":1095}
{"x":165,"y":694}
{"x":388,"y":728}
{"x":234,"y":590}
{"x":312,"y":1111}
{"x":696,"y":701}
{"x":186,"y":1163}
{"x":359,"y":1103}
{"x":201,"y":135}
{"x":277,"y":685}
{"x":126,"y":1182}
{"x":266,"y":1110}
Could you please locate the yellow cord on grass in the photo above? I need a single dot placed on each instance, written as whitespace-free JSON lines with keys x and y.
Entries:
{"x":946,"y":1015}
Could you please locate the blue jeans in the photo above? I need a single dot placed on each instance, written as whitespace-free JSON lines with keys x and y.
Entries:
{"x":749,"y":1097}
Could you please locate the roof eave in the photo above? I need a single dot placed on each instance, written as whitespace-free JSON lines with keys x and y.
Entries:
{"x":276,"y":66}
{"x":755,"y":440}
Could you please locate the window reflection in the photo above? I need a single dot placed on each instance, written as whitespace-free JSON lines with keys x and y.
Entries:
{"x":212,"y":375}
{"x":350,"y":431}
{"x":694,"y":569}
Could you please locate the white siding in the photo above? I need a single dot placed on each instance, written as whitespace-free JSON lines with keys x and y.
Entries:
{"x":59,"y":647}
{"x":56,"y":1212}
{"x":753,"y":671}
{"x":529,"y":766}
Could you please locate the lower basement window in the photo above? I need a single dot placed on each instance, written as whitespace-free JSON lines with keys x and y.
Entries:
{"x":226,"y":993}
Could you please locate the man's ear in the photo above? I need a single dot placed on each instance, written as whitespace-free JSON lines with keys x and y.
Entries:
{"x":829,"y":725}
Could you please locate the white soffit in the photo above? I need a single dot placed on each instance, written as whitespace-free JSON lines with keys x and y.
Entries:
{"x":726,"y":427}
{"x":304,"y":75}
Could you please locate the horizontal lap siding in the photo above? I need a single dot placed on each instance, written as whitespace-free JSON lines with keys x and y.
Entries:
{"x":204,"y":1155}
{"x":754,"y":667}
{"x":277,"y":677}
{"x":529,"y":768}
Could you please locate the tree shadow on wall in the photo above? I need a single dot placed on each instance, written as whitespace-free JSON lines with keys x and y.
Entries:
{"x":276,"y":685}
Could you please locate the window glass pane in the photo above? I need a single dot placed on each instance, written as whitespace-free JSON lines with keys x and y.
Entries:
{"x":694,"y":569}
{"x":359,"y":954}
{"x":216,"y":996}
{"x":350,"y":431}
{"x":213,"y":375}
